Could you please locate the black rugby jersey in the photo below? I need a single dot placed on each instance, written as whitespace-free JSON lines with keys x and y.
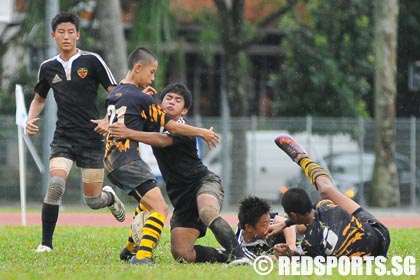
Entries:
{"x":128,"y":104}
{"x":334,"y":232}
{"x":181,"y":167}
{"x":75,"y":86}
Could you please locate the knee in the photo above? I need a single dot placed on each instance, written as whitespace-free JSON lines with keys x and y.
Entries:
{"x":182,"y":254}
{"x":55,"y":192}
{"x":208,"y":213}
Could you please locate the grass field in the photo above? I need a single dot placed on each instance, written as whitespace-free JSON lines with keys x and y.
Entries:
{"x":92,"y":253}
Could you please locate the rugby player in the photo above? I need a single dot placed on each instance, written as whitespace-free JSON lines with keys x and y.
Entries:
{"x":338,"y":226}
{"x":74,"y":76}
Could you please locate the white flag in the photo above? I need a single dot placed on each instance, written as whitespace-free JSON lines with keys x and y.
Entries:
{"x":21,"y":114}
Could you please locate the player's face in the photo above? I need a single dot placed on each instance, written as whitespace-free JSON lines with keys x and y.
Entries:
{"x":145,"y":73}
{"x":66,"y":36}
{"x":262,"y":225}
{"x":173,"y":105}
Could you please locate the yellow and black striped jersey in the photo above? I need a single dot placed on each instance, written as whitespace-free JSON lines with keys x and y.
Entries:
{"x":334,"y":232}
{"x":128,"y":104}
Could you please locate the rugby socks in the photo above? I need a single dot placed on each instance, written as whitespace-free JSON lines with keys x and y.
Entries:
{"x":226,"y":237}
{"x":205,"y":254}
{"x":312,"y":170}
{"x":49,"y":220}
{"x":130,"y":242}
{"x":152,"y":230}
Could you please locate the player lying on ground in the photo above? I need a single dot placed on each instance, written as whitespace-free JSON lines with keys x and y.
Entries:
{"x":254,"y":219}
{"x":338,"y":226}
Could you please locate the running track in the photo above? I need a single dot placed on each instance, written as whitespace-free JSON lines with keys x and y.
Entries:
{"x":106,"y":219}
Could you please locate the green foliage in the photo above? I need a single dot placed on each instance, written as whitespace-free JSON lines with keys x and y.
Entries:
{"x":86,"y":252}
{"x":408,"y":102}
{"x":153,"y":27}
{"x":328,"y":67}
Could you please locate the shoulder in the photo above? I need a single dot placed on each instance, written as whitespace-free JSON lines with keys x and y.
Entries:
{"x":48,"y":61}
{"x":325,"y":204}
{"x":92,"y":56}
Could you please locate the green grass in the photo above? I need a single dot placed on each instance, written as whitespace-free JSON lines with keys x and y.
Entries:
{"x":93,"y":253}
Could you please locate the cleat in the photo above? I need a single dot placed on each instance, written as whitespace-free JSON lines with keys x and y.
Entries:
{"x":241,"y":261}
{"x":290,"y":147}
{"x":117,"y":208}
{"x":126,"y":255}
{"x":42,"y":249}
{"x":135,"y":260}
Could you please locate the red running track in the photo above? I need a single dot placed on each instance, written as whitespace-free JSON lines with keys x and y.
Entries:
{"x":105,"y":219}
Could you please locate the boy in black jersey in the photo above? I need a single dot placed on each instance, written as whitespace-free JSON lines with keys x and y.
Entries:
{"x":195,"y":192}
{"x":338,"y":226}
{"x":129,"y":105}
{"x":74,"y":76}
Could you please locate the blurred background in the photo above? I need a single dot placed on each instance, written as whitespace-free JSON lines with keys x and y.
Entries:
{"x":342,"y":77}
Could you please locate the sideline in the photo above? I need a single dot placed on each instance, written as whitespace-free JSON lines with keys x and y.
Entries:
{"x":106,"y":219}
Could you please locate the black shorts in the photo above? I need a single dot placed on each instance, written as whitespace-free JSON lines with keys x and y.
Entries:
{"x":135,"y":175}
{"x":381,"y":231}
{"x":186,"y":214}
{"x":85,"y":157}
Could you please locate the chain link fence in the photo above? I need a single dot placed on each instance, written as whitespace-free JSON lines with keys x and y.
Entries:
{"x":344,"y":146}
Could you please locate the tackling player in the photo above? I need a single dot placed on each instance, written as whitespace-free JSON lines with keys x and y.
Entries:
{"x":195,"y":192}
{"x":128,"y":105}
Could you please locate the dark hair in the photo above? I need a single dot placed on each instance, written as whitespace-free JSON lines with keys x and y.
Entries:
{"x":296,"y":200}
{"x":141,"y":55}
{"x":64,"y":17}
{"x":251,"y":209}
{"x":180,"y":89}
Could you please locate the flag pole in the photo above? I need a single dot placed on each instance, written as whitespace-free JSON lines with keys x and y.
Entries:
{"x":22,"y":174}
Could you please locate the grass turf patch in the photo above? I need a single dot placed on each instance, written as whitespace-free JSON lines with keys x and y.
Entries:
{"x":86,"y":252}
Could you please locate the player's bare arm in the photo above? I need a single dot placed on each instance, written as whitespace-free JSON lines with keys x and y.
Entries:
{"x":275,"y":229}
{"x":208,"y":135}
{"x":155,"y":139}
{"x":37,"y":105}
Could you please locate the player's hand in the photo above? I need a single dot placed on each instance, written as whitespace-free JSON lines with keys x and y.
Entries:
{"x":31,"y":127}
{"x":282,"y":249}
{"x":101,"y":126}
{"x":275,"y":229}
{"x":119,"y":130}
{"x":211,"y":137}
{"x":149,"y":90}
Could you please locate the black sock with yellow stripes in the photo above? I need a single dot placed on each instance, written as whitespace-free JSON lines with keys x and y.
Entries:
{"x":312,"y":170}
{"x":131,"y":247}
{"x":152,"y":230}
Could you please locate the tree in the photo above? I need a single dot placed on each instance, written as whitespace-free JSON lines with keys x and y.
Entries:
{"x":235,"y":39}
{"x":328,"y":64}
{"x":385,"y":191}
{"x":111,"y":31}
